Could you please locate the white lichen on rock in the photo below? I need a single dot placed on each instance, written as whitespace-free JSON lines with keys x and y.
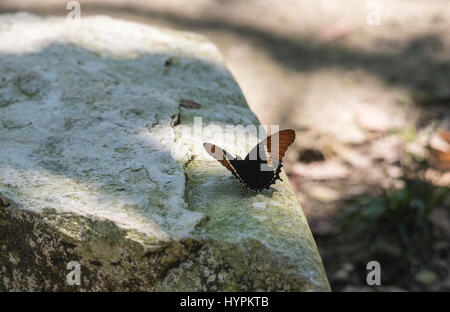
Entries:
{"x":97,"y":166}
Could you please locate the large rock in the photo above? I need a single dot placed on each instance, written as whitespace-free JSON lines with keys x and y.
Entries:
{"x":100,"y":164}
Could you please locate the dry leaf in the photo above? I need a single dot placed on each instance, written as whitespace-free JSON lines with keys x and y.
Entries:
{"x":372,"y":118}
{"x":351,"y":156}
{"x":437,"y":177}
{"x":440,"y":149}
{"x":325,"y":170}
{"x":336,"y":31}
{"x":387,"y":149}
{"x":189,"y":104}
{"x":322,"y":193}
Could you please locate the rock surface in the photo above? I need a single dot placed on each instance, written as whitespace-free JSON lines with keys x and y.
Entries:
{"x":100,"y":164}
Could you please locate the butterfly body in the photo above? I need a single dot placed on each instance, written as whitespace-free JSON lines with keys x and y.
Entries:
{"x":262,"y":166}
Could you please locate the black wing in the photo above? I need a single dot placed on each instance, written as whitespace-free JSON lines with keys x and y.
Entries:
{"x":224,"y":158}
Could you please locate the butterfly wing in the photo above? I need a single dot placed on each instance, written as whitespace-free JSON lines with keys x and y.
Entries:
{"x":262,"y":166}
{"x":251,"y":175}
{"x":225,"y":158}
{"x":272,"y":148}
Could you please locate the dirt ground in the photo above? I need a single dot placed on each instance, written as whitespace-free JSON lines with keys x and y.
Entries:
{"x":370,"y":165}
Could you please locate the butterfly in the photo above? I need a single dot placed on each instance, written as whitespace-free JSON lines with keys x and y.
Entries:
{"x":262,"y":166}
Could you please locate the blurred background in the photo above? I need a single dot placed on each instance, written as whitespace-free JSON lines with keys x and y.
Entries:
{"x":371,"y":108}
